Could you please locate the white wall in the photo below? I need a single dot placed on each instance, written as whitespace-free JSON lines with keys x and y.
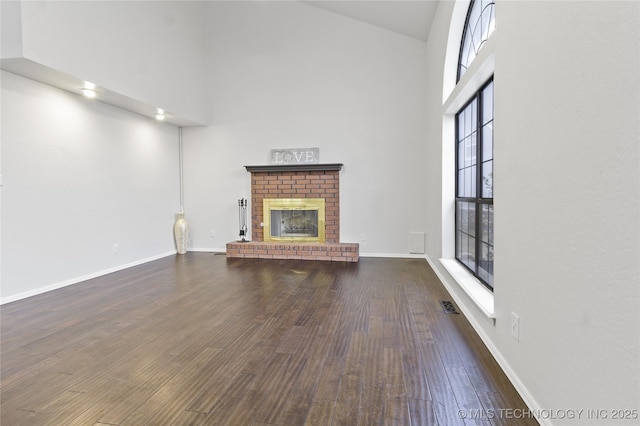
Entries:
{"x":150,"y":51}
{"x":11,"y":29}
{"x":566,"y":200}
{"x":78,"y":177}
{"x":287,"y":75}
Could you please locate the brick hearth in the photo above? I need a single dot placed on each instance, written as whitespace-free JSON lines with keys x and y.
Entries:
{"x":296,"y":181}
{"x":339,"y":252}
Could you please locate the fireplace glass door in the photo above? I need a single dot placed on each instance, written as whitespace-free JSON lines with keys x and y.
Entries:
{"x":294,"y":223}
{"x":294,"y":219}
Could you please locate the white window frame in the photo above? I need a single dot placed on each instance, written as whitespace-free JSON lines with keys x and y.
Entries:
{"x":455,"y":96}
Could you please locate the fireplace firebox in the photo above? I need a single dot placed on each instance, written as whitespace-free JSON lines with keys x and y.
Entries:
{"x":294,"y":219}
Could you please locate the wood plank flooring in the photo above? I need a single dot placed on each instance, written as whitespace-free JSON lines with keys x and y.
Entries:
{"x":200,"y":339}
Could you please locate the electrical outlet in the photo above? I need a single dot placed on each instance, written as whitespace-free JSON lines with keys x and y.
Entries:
{"x":515,"y":326}
{"x":116,"y":248}
{"x":212,"y":234}
{"x":363,"y":238}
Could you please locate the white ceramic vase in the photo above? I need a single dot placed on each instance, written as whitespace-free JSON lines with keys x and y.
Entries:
{"x":181,"y":233}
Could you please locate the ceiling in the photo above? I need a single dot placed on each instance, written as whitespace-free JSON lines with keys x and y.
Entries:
{"x":411,"y":18}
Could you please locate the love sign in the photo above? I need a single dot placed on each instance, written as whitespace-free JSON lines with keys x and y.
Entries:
{"x":295,"y":156}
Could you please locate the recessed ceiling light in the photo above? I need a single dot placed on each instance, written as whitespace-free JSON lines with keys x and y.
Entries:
{"x":160,"y":115}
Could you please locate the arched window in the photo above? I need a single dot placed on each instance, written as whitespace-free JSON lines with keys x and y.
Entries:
{"x":474,"y":155}
{"x":478,"y":27}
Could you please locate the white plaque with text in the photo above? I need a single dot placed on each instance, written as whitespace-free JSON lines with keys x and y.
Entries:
{"x":295,"y":156}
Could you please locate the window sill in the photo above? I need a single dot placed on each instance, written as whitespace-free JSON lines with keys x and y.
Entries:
{"x":478,"y":293}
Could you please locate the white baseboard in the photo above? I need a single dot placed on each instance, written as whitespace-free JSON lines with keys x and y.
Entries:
{"x":76,"y":280}
{"x":394,"y":255}
{"x":495,"y":352}
{"x":208,"y":249}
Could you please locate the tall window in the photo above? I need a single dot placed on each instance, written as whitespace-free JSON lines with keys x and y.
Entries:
{"x":474,"y":155}
{"x":474,"y":185}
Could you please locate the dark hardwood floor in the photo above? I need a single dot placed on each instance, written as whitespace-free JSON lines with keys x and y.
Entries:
{"x":202,"y":339}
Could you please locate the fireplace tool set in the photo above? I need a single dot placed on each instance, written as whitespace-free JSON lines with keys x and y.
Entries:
{"x":242,"y":212}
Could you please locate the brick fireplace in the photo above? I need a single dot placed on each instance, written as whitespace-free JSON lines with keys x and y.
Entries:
{"x":292,"y":181}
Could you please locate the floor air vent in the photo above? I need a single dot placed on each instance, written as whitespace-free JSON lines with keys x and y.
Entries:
{"x":448,"y":307}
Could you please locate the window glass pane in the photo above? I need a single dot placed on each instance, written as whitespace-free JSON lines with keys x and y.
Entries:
{"x":487,"y":223}
{"x":464,"y":248}
{"x":473,"y":149}
{"x":490,"y":225}
{"x":468,"y":151}
{"x":465,"y":152}
{"x":485,"y":264}
{"x":472,"y":181}
{"x":468,"y":128}
{"x":487,"y":103}
{"x":458,"y":229}
{"x":464,"y":212}
{"x":473,"y":27}
{"x":488,"y":20}
{"x":487,"y":141}
{"x":471,"y":222}
{"x":461,"y":181}
{"x":472,"y":253}
{"x":465,"y":184}
{"x":466,"y":55}
{"x":466,"y":233}
{"x":460,"y":123}
{"x":476,"y":38}
{"x":487,"y":179}
{"x":474,"y":115}
{"x":461,"y":156}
